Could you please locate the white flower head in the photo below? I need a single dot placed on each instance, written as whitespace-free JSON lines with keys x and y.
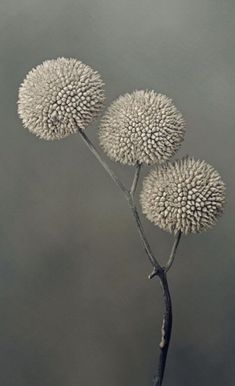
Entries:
{"x":142,"y":127}
{"x":58,"y":96}
{"x":185,"y":195}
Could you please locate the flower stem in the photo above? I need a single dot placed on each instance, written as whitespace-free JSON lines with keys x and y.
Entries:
{"x":158,"y":270}
{"x":166,"y":330}
{"x":135,"y":179}
{"x":173,"y":251}
{"x":103,"y":163}
{"x":129,"y":195}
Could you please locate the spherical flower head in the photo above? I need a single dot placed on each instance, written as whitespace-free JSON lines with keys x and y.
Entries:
{"x":142,"y":127}
{"x":185,"y":195}
{"x":58,"y":96}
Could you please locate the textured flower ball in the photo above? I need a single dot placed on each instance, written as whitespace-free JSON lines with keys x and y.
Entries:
{"x":185,"y":195}
{"x":142,"y":127}
{"x":58,"y":96}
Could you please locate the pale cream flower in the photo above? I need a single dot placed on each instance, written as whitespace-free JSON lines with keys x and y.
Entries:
{"x":184,"y":195}
{"x":58,"y":96}
{"x":142,"y":127}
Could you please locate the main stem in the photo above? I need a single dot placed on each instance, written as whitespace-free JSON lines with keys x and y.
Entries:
{"x":158,"y":270}
{"x":166,"y":330}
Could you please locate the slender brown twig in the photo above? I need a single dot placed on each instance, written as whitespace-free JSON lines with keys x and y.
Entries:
{"x":158,"y":270}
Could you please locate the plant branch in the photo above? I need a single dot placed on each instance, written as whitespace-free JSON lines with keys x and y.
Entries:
{"x":135,"y":179}
{"x":166,"y":330}
{"x":148,"y":250}
{"x":173,"y":251}
{"x":159,"y":271}
{"x":103,"y":163}
{"x":128,"y":195}
{"x":139,"y":225}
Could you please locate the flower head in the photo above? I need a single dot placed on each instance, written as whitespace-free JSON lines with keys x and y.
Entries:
{"x":185,"y":195}
{"x":142,"y":127}
{"x":58,"y":96}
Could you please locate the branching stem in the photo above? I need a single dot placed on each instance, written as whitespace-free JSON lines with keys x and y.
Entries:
{"x":158,"y":270}
{"x":129,"y":195}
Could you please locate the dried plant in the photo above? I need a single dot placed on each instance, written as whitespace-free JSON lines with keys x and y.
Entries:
{"x":185,"y":195}
{"x":142,"y":127}
{"x":58,"y":96}
{"x":63,"y":96}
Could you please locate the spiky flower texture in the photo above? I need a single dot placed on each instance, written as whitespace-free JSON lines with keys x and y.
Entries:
{"x":63,"y":96}
{"x":58,"y":96}
{"x":142,"y":127}
{"x":185,"y":195}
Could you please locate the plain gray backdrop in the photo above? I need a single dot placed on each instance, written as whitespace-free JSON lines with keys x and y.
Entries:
{"x":76,"y":307}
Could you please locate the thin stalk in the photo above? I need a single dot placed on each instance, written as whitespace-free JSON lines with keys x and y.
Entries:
{"x":173,"y":251}
{"x":135,"y":180}
{"x":158,"y":270}
{"x":166,"y":330}
{"x":148,"y":250}
{"x":103,"y":163}
{"x":128,"y":195}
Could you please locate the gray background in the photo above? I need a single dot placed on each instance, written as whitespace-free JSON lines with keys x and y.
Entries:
{"x":75,"y":303}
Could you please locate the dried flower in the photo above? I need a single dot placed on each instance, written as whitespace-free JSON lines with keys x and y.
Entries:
{"x":58,"y":96}
{"x":185,"y":195}
{"x":141,"y":127}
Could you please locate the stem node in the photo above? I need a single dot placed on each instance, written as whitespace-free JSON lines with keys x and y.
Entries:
{"x":157,"y":271}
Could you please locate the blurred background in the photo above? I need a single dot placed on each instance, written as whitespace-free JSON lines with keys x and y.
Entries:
{"x":75,"y":303}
